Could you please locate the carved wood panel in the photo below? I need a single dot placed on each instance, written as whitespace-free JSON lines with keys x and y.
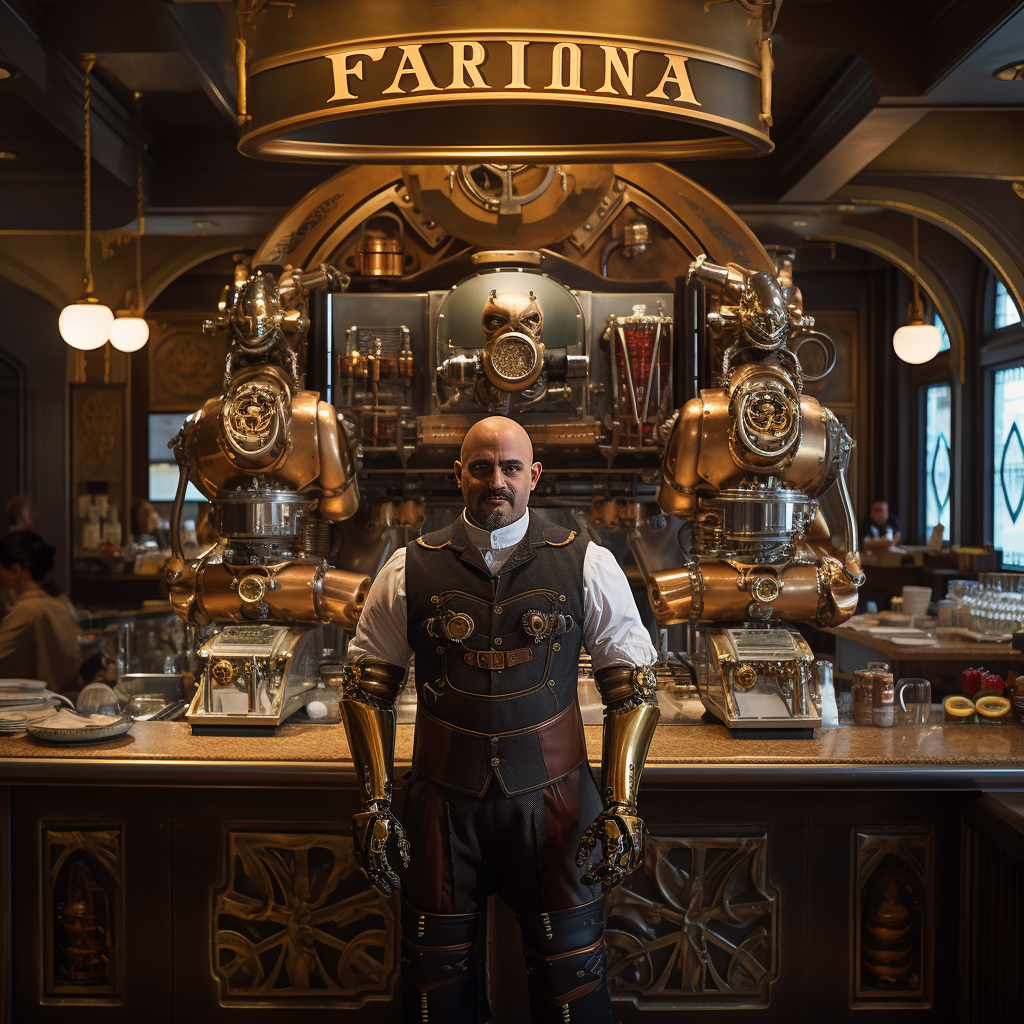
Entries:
{"x":893,"y":925}
{"x":297,"y":919}
{"x":83,"y":941}
{"x":697,"y":926}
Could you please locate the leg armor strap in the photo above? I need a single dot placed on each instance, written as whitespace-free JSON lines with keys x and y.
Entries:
{"x":437,"y":948}
{"x":565,"y":952}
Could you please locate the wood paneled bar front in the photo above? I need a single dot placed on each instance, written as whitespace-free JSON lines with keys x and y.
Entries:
{"x":191,"y":878}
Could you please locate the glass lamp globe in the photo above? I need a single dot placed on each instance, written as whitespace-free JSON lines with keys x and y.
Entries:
{"x":85,"y":324}
{"x":129,"y":333}
{"x":917,"y":343}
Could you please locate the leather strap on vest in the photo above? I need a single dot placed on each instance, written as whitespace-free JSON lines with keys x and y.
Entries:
{"x":495,"y":661}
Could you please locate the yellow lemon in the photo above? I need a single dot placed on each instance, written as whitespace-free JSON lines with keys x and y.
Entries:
{"x":992,"y":706}
{"x":958,"y":707}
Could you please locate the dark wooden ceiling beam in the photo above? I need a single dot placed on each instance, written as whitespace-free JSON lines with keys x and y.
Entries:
{"x":52,"y":85}
{"x":201,"y":35}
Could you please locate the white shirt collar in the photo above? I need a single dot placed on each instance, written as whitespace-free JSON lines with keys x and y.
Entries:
{"x":504,"y":537}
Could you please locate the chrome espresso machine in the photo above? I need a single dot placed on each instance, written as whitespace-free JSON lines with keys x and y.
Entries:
{"x":634,"y":325}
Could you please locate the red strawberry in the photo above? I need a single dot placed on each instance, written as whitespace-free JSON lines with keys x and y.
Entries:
{"x":991,"y":683}
{"x":970,"y":681}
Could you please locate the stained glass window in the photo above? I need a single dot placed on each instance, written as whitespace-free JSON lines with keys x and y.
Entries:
{"x":943,"y":333}
{"x":1006,"y":312}
{"x":1008,"y":464}
{"x":937,"y":465}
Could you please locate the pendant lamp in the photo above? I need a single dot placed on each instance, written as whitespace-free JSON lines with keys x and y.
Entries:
{"x":916,"y":342}
{"x":86,"y":323}
{"x":130,"y":330}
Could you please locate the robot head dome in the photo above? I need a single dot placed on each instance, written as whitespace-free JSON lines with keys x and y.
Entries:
{"x":763,"y":312}
{"x":257,"y":314}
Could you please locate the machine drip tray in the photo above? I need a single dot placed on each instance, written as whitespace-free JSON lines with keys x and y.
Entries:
{"x":761,"y":734}
{"x":233,"y":730}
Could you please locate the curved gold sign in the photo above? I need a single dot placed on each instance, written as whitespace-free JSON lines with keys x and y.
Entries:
{"x":534,"y":81}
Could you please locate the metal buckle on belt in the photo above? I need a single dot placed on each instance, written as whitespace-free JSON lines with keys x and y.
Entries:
{"x":496,"y":661}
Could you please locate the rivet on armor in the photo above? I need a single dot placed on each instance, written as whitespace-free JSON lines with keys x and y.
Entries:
{"x":497,"y":609}
{"x":494,"y":741}
{"x":439,"y":650}
{"x":561,"y":597}
{"x":551,"y":682}
{"x":497,"y":641}
{"x":434,"y":599}
{"x":495,"y":761}
{"x":556,"y":647}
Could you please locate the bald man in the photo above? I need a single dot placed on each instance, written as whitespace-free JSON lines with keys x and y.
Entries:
{"x":502,"y":800}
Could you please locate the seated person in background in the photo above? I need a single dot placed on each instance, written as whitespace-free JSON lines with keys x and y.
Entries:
{"x":21,"y":513}
{"x":38,"y":636}
{"x":146,"y":525}
{"x":880,"y":531}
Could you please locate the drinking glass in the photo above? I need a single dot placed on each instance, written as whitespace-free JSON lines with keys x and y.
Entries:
{"x":915,"y":698}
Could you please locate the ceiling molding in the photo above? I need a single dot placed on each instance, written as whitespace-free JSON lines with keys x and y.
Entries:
{"x":950,"y":218}
{"x":897,"y":254}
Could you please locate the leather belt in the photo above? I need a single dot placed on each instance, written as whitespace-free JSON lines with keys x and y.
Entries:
{"x":495,"y":661}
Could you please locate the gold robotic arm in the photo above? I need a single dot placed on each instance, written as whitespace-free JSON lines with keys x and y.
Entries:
{"x":631,"y":713}
{"x":368,"y":711}
{"x":679,"y":476}
{"x":339,"y":493}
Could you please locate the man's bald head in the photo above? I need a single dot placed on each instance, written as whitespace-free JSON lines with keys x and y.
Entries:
{"x":496,"y":472}
{"x":497,"y":430}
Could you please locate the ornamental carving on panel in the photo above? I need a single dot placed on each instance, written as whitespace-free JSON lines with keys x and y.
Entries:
{"x":297,"y":920}
{"x":697,"y":926}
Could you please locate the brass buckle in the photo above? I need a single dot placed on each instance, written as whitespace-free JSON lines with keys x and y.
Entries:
{"x":492,"y":661}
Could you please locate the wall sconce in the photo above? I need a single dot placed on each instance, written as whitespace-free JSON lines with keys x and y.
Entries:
{"x":86,"y":323}
{"x":130,"y":331}
{"x":917,"y":342}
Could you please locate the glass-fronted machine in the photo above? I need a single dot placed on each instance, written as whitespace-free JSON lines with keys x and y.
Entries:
{"x":654,"y":352}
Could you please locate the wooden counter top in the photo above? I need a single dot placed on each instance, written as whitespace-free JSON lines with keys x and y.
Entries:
{"x":166,"y":753}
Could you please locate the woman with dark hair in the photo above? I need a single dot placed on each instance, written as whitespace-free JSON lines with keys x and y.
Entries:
{"x":38,"y":636}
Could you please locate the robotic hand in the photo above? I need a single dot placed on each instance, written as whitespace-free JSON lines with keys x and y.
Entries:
{"x":631,"y":713}
{"x":372,"y":829}
{"x":621,"y":834}
{"x":368,"y":710}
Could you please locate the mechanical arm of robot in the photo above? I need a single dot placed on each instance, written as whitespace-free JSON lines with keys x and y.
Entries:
{"x":631,"y":713}
{"x":759,"y":470}
{"x":275,"y":461}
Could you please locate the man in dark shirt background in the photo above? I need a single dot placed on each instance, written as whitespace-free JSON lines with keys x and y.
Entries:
{"x":880,"y":530}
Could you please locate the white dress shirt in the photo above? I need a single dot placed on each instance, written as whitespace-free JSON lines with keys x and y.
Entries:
{"x":612,"y":630}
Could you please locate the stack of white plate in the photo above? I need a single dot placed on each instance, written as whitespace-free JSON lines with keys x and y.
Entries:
{"x":25,"y":702}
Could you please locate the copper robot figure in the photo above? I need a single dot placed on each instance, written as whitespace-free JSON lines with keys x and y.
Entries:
{"x":758,"y":468}
{"x":275,"y":462}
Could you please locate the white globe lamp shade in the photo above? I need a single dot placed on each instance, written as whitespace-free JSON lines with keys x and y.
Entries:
{"x":129,"y":333}
{"x":85,"y":324}
{"x":917,"y":343}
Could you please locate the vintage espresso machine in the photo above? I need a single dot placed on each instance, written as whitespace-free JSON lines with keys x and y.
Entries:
{"x":275,"y":462}
{"x":758,"y":468}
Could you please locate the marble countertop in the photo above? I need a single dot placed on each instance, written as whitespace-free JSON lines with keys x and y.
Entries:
{"x":964,"y":756}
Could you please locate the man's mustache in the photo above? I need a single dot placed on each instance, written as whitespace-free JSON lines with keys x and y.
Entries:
{"x":499,"y":493}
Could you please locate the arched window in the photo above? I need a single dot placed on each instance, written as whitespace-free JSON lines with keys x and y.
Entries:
{"x":943,"y":333}
{"x":1004,"y":309}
